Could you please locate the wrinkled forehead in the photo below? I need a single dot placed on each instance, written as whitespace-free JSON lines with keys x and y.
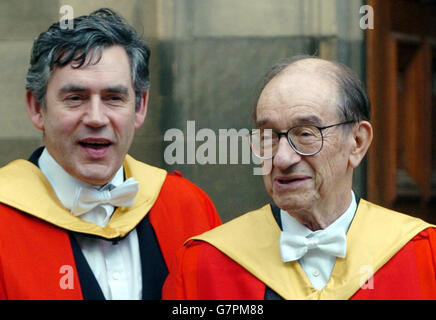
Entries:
{"x":301,"y":93}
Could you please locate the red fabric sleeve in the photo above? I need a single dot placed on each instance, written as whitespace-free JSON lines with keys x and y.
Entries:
{"x":425,"y":255}
{"x":410,"y":274}
{"x":205,"y":273}
{"x":181,"y":284}
{"x":3,"y":295}
{"x":32,"y":266}
{"x":219,"y":277}
{"x":181,"y":211}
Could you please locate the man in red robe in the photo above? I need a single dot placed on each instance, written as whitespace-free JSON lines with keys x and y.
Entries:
{"x":317,"y":240}
{"x":81,"y":219}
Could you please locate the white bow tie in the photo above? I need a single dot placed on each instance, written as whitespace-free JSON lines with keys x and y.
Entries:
{"x":121,"y":196}
{"x":293,"y":247}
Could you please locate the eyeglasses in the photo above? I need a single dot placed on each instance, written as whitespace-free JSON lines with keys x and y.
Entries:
{"x":306,"y":140}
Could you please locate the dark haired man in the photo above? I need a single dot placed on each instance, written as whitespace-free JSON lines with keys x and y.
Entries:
{"x":81,"y":218}
{"x":318,"y":240}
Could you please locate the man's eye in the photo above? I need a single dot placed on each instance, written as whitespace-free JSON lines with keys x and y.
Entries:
{"x":74,"y":98}
{"x":307,"y":133}
{"x":116,"y":99}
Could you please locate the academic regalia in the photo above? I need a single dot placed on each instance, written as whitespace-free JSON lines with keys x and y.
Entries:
{"x":241,"y":260}
{"x":39,"y":256}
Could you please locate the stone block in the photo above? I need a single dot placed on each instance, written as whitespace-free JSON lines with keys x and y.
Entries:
{"x":26,"y":19}
{"x":14,"y":61}
{"x":140,"y":14}
{"x":11,"y":149}
{"x":184,"y":19}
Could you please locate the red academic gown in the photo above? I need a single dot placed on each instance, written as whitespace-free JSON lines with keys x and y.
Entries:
{"x":39,"y":257}
{"x":389,"y":256}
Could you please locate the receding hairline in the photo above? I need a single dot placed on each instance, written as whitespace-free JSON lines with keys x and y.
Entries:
{"x":330,"y":71}
{"x":310,"y":65}
{"x":308,"y":68}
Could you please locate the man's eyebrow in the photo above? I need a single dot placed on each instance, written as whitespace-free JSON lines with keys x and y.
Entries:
{"x":308,"y":119}
{"x":300,"y":120}
{"x":118,"y":89}
{"x":72,"y":88}
{"x":76,"y":88}
{"x":261,"y":123}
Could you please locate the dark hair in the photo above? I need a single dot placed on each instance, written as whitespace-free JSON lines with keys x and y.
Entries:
{"x":355,"y":104}
{"x":91,"y":33}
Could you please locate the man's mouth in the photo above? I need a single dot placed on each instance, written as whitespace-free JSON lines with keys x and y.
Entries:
{"x":95,"y":143}
{"x":95,"y":148}
{"x":290,"y":180}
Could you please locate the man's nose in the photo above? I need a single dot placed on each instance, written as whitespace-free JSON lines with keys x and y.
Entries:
{"x":285,"y":156}
{"x":95,"y":113}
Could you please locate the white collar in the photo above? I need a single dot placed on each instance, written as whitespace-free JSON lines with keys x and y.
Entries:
{"x":66,"y":186}
{"x":293,"y":226}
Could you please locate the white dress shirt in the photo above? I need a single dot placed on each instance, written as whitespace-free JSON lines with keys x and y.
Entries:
{"x":117,"y":267}
{"x":318,"y":265}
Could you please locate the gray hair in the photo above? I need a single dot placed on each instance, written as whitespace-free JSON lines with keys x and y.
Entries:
{"x":354,"y":105}
{"x":91,"y":34}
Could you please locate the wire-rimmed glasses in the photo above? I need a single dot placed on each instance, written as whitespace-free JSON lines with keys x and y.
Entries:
{"x":306,"y":140}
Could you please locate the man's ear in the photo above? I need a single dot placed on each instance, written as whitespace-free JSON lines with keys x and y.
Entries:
{"x":141,"y":110}
{"x":34,"y":110}
{"x":362,"y":135}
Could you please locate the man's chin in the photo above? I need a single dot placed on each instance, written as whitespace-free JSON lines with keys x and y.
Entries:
{"x":291,"y":203}
{"x":96,"y":174}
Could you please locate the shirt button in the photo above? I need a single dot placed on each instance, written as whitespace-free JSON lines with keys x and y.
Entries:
{"x":315,"y":272}
{"x":116,"y":276}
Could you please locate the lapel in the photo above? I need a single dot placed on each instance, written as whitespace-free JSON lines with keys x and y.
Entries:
{"x":375,"y":235}
{"x":88,"y":283}
{"x":153,"y":267}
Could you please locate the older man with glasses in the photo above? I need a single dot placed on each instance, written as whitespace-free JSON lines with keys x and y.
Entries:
{"x":317,"y":239}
